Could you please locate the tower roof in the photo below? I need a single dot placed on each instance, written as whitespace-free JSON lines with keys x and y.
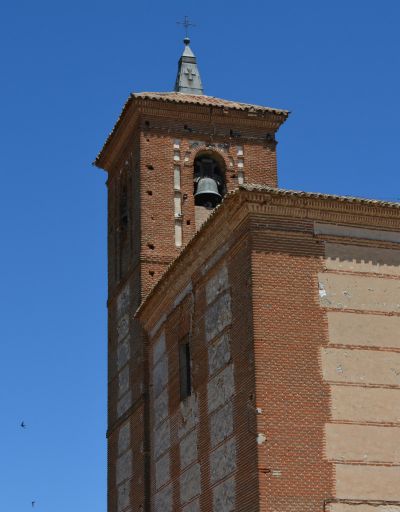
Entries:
{"x":188,"y":78}
{"x":137,"y":102}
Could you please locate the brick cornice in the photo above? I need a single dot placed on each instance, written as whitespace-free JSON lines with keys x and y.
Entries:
{"x":136,"y":108}
{"x":209,"y":114}
{"x":114,"y":148}
{"x":244,"y":203}
{"x":324,"y":209}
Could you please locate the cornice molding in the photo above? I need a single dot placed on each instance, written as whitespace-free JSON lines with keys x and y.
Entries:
{"x":114,"y":149}
{"x":242,"y":204}
{"x":135,"y":108}
{"x":324,"y":209}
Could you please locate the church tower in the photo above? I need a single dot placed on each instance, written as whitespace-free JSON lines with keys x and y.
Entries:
{"x":171,"y":158}
{"x":253,"y":338}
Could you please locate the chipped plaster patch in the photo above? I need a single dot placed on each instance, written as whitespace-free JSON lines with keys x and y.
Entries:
{"x":221,"y":388}
{"x":218,"y":283}
{"x":261,"y":438}
{"x":221,"y":424}
{"x":163,"y":500}
{"x":223,"y":461}
{"x":124,"y":437}
{"x":124,"y":403}
{"x":162,"y":471}
{"x":123,"y":301}
{"x":219,"y":354}
{"x":160,"y":375}
{"x":123,"y":381}
{"x":123,"y":353}
{"x":162,"y":439}
{"x":160,"y":407}
{"x":218,"y":316}
{"x":124,"y":467}
{"x":123,"y":327}
{"x":190,"y":483}
{"x":224,"y":496}
{"x":188,"y":449}
{"x":123,"y":496}
{"x":188,"y":415}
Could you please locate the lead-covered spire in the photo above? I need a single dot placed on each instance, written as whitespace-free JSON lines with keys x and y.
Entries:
{"x":188,"y":78}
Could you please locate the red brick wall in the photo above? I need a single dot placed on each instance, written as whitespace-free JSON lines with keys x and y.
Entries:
{"x":146,"y":166}
{"x":189,"y":317}
{"x":281,"y":403}
{"x":157,"y":150}
{"x":299,"y":273}
{"x":289,"y":331}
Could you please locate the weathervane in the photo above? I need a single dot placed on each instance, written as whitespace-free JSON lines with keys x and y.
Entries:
{"x":186,"y":23}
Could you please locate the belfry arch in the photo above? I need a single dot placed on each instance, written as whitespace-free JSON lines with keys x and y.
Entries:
{"x":209,"y":179}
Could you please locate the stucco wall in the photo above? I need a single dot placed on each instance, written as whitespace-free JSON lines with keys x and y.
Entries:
{"x":360,"y":290}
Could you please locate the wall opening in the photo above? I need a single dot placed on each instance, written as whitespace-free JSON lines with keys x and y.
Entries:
{"x":209,"y":180}
{"x":185,"y":377}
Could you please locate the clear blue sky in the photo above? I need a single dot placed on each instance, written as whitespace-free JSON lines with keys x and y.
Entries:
{"x":66,"y":70}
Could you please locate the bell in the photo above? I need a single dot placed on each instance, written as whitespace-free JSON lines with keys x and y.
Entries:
{"x":207,"y":193}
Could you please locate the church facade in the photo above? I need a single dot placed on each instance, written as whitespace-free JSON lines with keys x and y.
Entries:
{"x":254,"y":332}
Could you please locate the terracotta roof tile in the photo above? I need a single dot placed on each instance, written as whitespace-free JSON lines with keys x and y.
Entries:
{"x":177,"y":97}
{"x":316,"y":195}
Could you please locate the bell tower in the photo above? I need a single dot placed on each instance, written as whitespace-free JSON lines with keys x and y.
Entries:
{"x":171,"y":158}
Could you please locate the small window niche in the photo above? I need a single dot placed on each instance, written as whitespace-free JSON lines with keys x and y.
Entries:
{"x":185,"y":374}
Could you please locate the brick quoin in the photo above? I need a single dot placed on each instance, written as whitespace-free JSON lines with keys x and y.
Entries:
{"x":285,"y":305}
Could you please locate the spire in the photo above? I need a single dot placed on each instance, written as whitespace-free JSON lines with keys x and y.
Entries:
{"x":188,"y":78}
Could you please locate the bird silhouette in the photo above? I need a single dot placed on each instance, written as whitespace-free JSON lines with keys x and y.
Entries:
{"x":33,"y":503}
{"x":23,"y":425}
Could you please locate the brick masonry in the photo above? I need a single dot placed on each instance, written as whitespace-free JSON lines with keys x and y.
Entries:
{"x":294,"y":333}
{"x":151,"y":216}
{"x":290,"y":305}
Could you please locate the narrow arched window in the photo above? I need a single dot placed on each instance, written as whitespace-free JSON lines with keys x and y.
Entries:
{"x":209,"y":180}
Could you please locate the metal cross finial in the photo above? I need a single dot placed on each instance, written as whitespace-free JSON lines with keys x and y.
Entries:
{"x":186,"y":23}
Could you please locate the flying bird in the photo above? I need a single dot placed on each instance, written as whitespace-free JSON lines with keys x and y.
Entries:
{"x":23,"y":425}
{"x":33,"y":503}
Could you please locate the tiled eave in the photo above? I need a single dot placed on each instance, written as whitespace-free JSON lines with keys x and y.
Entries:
{"x":146,"y":99}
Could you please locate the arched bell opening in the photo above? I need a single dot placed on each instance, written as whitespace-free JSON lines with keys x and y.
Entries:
{"x":209,"y":180}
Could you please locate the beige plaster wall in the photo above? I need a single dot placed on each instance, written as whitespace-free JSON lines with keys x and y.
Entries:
{"x":361,"y":507}
{"x":364,"y":329}
{"x":367,"y":482}
{"x":321,"y":228}
{"x":363,"y":443}
{"x":361,"y":366}
{"x":362,"y":259}
{"x":360,"y":290}
{"x":365,"y":404}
